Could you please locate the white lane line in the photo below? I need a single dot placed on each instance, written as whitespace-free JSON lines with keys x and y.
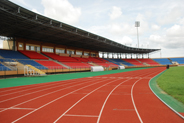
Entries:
{"x":149,"y":84}
{"x":107,"y":99}
{"x":124,"y":109}
{"x":34,"y":92}
{"x":54,"y":101}
{"x":27,"y":86}
{"x":33,"y":88}
{"x":81,"y":100}
{"x":134,"y":102}
{"x":20,"y":108}
{"x":45,"y":95}
{"x":73,"y":115}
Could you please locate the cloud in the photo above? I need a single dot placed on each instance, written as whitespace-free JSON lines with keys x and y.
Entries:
{"x":173,"y":38}
{"x":115,"y":13}
{"x":125,"y":40}
{"x":21,"y":2}
{"x":175,"y":31}
{"x":155,"y":27}
{"x":172,"y":16}
{"x":157,"y":38}
{"x":61,"y":10}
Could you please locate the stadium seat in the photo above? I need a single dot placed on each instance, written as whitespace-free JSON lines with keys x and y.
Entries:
{"x":31,"y":62}
{"x":50,"y":64}
{"x":134,"y":62}
{"x":148,"y":61}
{"x":163,"y":61}
{"x":33,"y":54}
{"x":119,"y":62}
{"x":107,"y":64}
{"x":60,"y":58}
{"x":12,"y":54}
{"x":77,"y":64}
{"x":179,"y":60}
{"x":4,"y":68}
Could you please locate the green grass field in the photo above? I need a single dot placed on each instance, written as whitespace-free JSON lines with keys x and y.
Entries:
{"x":172,"y":82}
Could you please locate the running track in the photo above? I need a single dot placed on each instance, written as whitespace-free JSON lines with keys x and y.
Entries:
{"x":114,"y":98}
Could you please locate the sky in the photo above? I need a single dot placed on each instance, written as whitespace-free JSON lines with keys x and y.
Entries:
{"x":161,"y":21}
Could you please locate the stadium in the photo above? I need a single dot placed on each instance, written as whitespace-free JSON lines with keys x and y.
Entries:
{"x":54,"y":72}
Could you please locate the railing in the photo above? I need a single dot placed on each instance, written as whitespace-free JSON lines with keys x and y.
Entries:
{"x":19,"y":71}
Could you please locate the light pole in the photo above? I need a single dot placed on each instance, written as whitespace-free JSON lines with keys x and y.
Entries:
{"x":137,"y":24}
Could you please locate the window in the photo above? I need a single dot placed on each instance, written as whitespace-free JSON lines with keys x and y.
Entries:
{"x":70,"y":52}
{"x":32,"y":48}
{"x":27,"y":47}
{"x":78,"y":53}
{"x":37,"y":48}
{"x":60,"y":51}
{"x":86,"y":54}
{"x":48,"y":50}
{"x":93,"y":55}
{"x":20,"y":45}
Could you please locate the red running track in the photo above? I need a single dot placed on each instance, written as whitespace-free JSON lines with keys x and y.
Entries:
{"x":114,"y":98}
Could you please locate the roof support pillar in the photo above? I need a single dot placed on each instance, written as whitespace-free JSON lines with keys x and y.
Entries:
{"x":18,"y":11}
{"x":125,"y":55}
{"x":102,"y":54}
{"x":54,"y":49}
{"x":15,"y":44}
{"x":36,"y":17}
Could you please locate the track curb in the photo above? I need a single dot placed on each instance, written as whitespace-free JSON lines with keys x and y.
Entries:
{"x":161,"y":98}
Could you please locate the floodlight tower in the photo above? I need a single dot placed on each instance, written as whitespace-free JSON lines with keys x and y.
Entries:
{"x":137,"y":24}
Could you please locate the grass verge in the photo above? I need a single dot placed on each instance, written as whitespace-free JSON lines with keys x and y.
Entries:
{"x":172,"y":82}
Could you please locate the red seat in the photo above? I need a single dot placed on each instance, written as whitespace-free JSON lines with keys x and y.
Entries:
{"x":50,"y":64}
{"x":149,"y":61}
{"x":134,"y":62}
{"x":33,"y":54}
{"x":77,"y":65}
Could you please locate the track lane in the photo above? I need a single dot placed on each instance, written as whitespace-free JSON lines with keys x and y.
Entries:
{"x":89,"y":106}
{"x":151,"y":109}
{"x":18,"y":95}
{"x":76,"y":113}
{"x":119,"y":106}
{"x":58,"y":105}
{"x":41,"y":95}
{"x":24,"y":90}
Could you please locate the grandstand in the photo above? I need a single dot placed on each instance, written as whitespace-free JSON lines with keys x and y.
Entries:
{"x":148,"y":62}
{"x":178,"y":60}
{"x":53,"y":46}
{"x":134,"y":62}
{"x":163,"y":61}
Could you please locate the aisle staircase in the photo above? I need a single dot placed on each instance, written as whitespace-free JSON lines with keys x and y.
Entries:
{"x":34,"y":71}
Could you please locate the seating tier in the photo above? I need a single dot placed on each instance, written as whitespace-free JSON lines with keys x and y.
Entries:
{"x":50,"y":64}
{"x":179,"y":60}
{"x":33,"y":55}
{"x":4,"y":68}
{"x":12,"y":54}
{"x":148,"y":61}
{"x":33,"y":63}
{"x":77,"y":64}
{"x":134,"y":62}
{"x":60,"y":58}
{"x":163,"y":61}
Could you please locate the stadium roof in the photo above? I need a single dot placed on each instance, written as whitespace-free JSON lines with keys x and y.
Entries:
{"x":16,"y":21}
